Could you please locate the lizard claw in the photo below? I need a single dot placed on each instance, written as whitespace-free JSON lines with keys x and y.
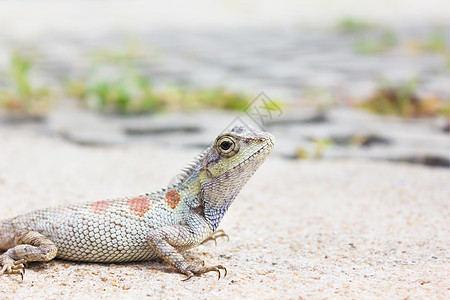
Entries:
{"x":217,"y":269}
{"x":201,"y":270}
{"x":21,"y":261}
{"x":188,"y":276}
{"x":217,"y":234}
{"x":11,"y":266}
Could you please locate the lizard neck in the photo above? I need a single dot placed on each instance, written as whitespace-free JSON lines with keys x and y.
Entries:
{"x":209,"y":199}
{"x":215,"y":215}
{"x":189,"y":189}
{"x":217,"y":194}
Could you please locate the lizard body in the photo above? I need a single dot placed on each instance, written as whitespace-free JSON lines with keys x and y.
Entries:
{"x":160,"y":224}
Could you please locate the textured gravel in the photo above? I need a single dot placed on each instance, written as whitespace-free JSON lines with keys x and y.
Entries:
{"x":298,"y":229}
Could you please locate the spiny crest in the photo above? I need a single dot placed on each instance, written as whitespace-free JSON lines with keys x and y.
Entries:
{"x":187,"y":171}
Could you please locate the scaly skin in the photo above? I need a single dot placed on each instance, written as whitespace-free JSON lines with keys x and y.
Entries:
{"x":161,"y":224}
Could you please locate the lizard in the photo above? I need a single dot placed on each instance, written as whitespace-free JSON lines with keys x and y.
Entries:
{"x":161,"y":224}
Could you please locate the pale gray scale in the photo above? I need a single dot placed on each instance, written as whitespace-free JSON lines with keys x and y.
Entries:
{"x":162,"y":215}
{"x":114,"y":235}
{"x":73,"y":230}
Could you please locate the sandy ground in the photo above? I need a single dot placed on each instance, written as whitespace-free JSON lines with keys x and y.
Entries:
{"x":297,"y":230}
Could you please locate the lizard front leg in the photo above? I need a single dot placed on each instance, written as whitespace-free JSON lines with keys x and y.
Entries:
{"x":165,"y":240}
{"x":30,"y":246}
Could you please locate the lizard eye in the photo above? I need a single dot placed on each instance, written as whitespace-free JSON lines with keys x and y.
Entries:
{"x":227,"y":146}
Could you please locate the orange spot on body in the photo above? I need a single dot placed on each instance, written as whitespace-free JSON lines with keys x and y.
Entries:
{"x":139,"y":205}
{"x":172,"y":198}
{"x":99,"y":207}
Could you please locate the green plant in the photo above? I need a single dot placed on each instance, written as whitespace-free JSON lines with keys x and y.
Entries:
{"x":352,"y":25}
{"x":220,"y":98}
{"x":445,"y":110}
{"x":21,"y":96}
{"x":436,"y":42}
{"x":130,"y":92}
{"x":314,"y":151}
{"x":379,"y":43}
{"x":402,"y":100}
{"x":130,"y":52}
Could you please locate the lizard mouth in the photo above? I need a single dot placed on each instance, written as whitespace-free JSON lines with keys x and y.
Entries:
{"x":266,"y":148}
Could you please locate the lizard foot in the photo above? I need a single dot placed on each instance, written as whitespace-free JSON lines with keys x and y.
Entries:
{"x":198,"y":270}
{"x":217,"y":234}
{"x":12,"y":266}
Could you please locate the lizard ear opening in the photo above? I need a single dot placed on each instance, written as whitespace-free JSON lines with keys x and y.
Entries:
{"x":226,"y":145}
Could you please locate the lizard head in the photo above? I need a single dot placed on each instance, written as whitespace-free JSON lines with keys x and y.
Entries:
{"x":227,"y":165}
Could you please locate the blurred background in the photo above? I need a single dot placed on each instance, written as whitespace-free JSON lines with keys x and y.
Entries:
{"x":330,"y":79}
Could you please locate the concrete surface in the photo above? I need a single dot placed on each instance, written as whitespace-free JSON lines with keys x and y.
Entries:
{"x":299,"y":229}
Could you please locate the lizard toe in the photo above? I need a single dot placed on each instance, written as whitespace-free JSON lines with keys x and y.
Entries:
{"x":11,"y":266}
{"x":197,"y":270}
{"x":217,"y":234}
{"x":20,"y":262}
{"x":199,"y":263}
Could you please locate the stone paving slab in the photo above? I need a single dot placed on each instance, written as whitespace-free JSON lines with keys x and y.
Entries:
{"x":350,"y":133}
